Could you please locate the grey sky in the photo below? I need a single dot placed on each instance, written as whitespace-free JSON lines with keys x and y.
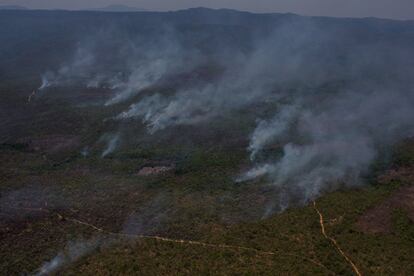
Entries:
{"x":398,"y":9}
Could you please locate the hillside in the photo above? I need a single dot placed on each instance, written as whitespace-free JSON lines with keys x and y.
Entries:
{"x":119,"y":8}
{"x":205,"y":142}
{"x":12,"y":7}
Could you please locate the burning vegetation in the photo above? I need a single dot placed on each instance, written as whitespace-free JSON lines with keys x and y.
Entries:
{"x":205,"y":141}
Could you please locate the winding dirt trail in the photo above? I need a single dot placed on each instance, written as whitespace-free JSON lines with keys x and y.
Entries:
{"x":198,"y":243}
{"x":180,"y":241}
{"x":334,"y":242}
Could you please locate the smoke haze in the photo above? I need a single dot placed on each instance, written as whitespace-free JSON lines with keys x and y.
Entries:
{"x":330,"y":102}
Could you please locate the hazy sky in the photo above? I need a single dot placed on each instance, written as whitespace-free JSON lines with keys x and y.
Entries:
{"x":399,"y":9}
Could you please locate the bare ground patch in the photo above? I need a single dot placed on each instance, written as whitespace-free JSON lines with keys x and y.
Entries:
{"x":52,"y":143}
{"x":379,"y":218}
{"x":155,"y":170}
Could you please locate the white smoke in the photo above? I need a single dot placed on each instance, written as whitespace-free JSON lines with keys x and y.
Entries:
{"x":256,"y":172}
{"x":341,"y":138}
{"x":112,"y":142}
{"x":77,"y":70}
{"x":143,"y":62}
{"x":150,"y":68}
{"x":158,"y":112}
{"x":45,"y":83}
{"x":334,"y":102}
{"x":268,"y":131}
{"x":73,"y":252}
{"x":331,"y":118}
{"x":262,"y":75}
{"x":85,"y":152}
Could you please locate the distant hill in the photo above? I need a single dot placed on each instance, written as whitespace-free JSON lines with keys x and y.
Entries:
{"x":207,"y":29}
{"x":12,"y":7}
{"x":119,"y":8}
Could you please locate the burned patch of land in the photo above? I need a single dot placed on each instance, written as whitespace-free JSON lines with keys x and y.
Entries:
{"x":379,"y":219}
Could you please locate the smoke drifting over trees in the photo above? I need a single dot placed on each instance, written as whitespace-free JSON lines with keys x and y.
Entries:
{"x":333,"y":95}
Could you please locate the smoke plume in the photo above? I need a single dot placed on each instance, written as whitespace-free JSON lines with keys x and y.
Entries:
{"x":72,"y":252}
{"x":332,"y":99}
{"x":112,"y":142}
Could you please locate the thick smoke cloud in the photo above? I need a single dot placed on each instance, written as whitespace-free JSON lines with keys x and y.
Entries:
{"x":151,"y":64}
{"x":341,"y":138}
{"x":125,"y":65}
{"x":290,"y":58}
{"x":268,"y":130}
{"x":335,"y":101}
